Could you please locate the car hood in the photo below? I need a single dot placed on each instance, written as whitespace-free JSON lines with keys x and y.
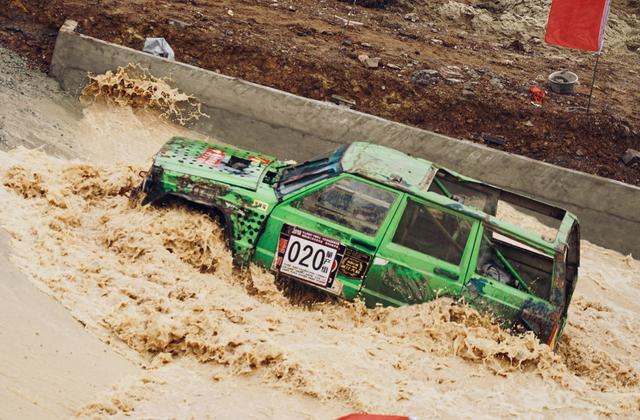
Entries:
{"x":220,"y":163}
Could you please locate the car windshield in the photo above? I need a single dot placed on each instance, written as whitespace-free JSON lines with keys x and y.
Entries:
{"x":295,"y":177}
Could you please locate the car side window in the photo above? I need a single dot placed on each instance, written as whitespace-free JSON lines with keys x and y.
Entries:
{"x":433,"y":232}
{"x":515,"y":264}
{"x":351,"y":203}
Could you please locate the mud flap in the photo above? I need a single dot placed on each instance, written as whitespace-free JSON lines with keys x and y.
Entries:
{"x":153,"y":190}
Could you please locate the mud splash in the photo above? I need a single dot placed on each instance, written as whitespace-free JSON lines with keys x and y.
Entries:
{"x":135,"y":87}
{"x":159,"y":281}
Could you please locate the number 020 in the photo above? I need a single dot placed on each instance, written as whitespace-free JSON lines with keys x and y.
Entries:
{"x":301,"y":255}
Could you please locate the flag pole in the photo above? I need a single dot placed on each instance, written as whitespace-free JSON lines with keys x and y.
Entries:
{"x":593,"y":80}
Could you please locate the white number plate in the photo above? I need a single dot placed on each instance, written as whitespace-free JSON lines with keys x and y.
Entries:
{"x":310,"y":259}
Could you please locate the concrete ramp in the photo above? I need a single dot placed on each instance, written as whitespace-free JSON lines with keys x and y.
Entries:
{"x":289,"y":126}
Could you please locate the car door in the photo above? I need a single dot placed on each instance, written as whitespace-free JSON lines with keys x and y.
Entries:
{"x":424,"y":254}
{"x":327,"y":235}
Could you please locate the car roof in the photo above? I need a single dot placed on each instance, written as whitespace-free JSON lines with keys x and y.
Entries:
{"x":415,"y":175}
{"x":389,"y":166}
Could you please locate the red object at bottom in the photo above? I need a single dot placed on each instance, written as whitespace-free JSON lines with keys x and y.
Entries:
{"x":537,"y":95}
{"x":372,"y":417}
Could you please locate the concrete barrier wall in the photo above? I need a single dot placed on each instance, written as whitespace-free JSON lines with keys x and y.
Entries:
{"x":271,"y":121}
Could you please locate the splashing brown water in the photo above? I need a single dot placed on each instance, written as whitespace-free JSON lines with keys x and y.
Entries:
{"x":133,"y":86}
{"x":160,"y":281}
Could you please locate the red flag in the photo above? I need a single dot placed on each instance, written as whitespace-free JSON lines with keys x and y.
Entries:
{"x":577,"y":24}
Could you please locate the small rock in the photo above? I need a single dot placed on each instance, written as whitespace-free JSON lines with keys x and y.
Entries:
{"x":437,"y":41}
{"x":230,"y":12}
{"x":528,"y":123}
{"x":624,"y":129}
{"x":494,"y":140}
{"x":452,"y":71}
{"x":580,"y":152}
{"x":178,"y":23}
{"x":341,"y":100}
{"x":369,"y":62}
{"x":630,"y":157}
{"x":473,"y":74}
{"x":413,"y":17}
{"x":365,"y":45}
{"x":452,"y":81}
{"x":518,"y":46}
{"x":392,"y":66}
{"x":425,"y":77}
{"x":467,"y":92}
{"x":373,"y":63}
{"x":292,"y":8}
{"x":495,"y":82}
{"x":535,"y":40}
{"x":347,"y":42}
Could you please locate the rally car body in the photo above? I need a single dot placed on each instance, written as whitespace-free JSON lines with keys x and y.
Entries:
{"x":370,"y":222}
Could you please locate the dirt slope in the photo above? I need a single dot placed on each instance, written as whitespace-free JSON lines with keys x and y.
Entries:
{"x":490,"y":52}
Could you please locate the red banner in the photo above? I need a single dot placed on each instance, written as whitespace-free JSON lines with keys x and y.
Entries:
{"x":578,"y":24}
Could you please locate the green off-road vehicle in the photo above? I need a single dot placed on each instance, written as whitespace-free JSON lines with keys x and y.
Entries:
{"x":370,"y":222}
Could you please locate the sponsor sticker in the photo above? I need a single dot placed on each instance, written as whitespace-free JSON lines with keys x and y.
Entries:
{"x":260,"y":205}
{"x":354,"y":264}
{"x":309,"y":257}
{"x":211,"y":157}
{"x":260,"y":160}
{"x":316,"y":259}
